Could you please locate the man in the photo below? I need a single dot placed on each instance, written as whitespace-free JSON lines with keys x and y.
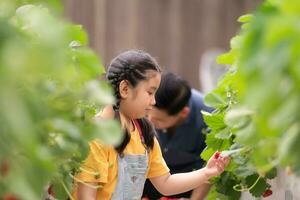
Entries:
{"x":180,"y":125}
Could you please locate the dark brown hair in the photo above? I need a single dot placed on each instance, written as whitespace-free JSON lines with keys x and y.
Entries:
{"x":132,"y":66}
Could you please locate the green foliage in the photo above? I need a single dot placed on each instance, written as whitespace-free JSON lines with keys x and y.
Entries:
{"x":258,"y":101}
{"x":49,"y":94}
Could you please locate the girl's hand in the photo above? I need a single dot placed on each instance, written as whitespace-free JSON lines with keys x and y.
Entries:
{"x":216,"y":165}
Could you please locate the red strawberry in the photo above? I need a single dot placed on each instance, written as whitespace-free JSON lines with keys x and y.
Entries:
{"x":50,"y":190}
{"x":217,"y":155}
{"x":10,"y":197}
{"x":4,"y":167}
{"x":267,"y":193}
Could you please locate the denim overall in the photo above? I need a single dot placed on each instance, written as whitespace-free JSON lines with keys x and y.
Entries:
{"x":132,"y":171}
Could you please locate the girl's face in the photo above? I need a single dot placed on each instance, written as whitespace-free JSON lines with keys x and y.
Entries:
{"x":138,"y":101}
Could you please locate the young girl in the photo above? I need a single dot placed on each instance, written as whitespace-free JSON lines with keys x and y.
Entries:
{"x":120,"y":172}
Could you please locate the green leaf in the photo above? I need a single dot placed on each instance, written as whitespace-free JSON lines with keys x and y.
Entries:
{"x":76,"y":33}
{"x":226,"y":58}
{"x":214,"y":100}
{"x":238,"y":118}
{"x":245,"y":18}
{"x":98,"y":93}
{"x":231,"y":152}
{"x":289,"y":143}
{"x":225,"y":186}
{"x":214,"y":121}
{"x":207,"y":153}
{"x":235,"y":42}
{"x":217,"y":144}
{"x":224,"y":134}
{"x":214,"y":195}
{"x":61,"y":125}
{"x":271,"y":174}
{"x":112,"y":127}
{"x":259,"y":187}
{"x":88,"y":61}
{"x":245,"y":170}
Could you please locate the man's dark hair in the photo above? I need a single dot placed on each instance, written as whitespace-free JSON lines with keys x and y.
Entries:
{"x":173,"y":93}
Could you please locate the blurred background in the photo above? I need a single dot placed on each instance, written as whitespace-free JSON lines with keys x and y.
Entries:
{"x":183,"y":35}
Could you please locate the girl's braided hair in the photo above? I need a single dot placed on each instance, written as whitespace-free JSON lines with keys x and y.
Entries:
{"x":132,"y":66}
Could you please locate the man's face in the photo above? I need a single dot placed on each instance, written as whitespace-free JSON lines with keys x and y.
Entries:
{"x":161,"y":119}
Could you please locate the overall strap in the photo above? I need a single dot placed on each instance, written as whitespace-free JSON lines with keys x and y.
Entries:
{"x":137,"y":124}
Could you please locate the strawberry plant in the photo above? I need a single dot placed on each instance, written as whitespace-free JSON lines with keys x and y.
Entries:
{"x":257,"y":102}
{"x":50,"y":91}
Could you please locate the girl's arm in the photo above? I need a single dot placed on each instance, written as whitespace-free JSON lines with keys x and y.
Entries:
{"x":178,"y":183}
{"x":85,"y":192}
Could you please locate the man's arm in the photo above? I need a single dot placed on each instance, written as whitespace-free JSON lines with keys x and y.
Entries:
{"x":200,"y":192}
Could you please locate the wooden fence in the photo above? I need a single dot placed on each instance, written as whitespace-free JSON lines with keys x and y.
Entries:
{"x":176,"y":32}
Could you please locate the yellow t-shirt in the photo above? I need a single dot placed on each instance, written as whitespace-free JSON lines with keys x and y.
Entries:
{"x":101,"y":165}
